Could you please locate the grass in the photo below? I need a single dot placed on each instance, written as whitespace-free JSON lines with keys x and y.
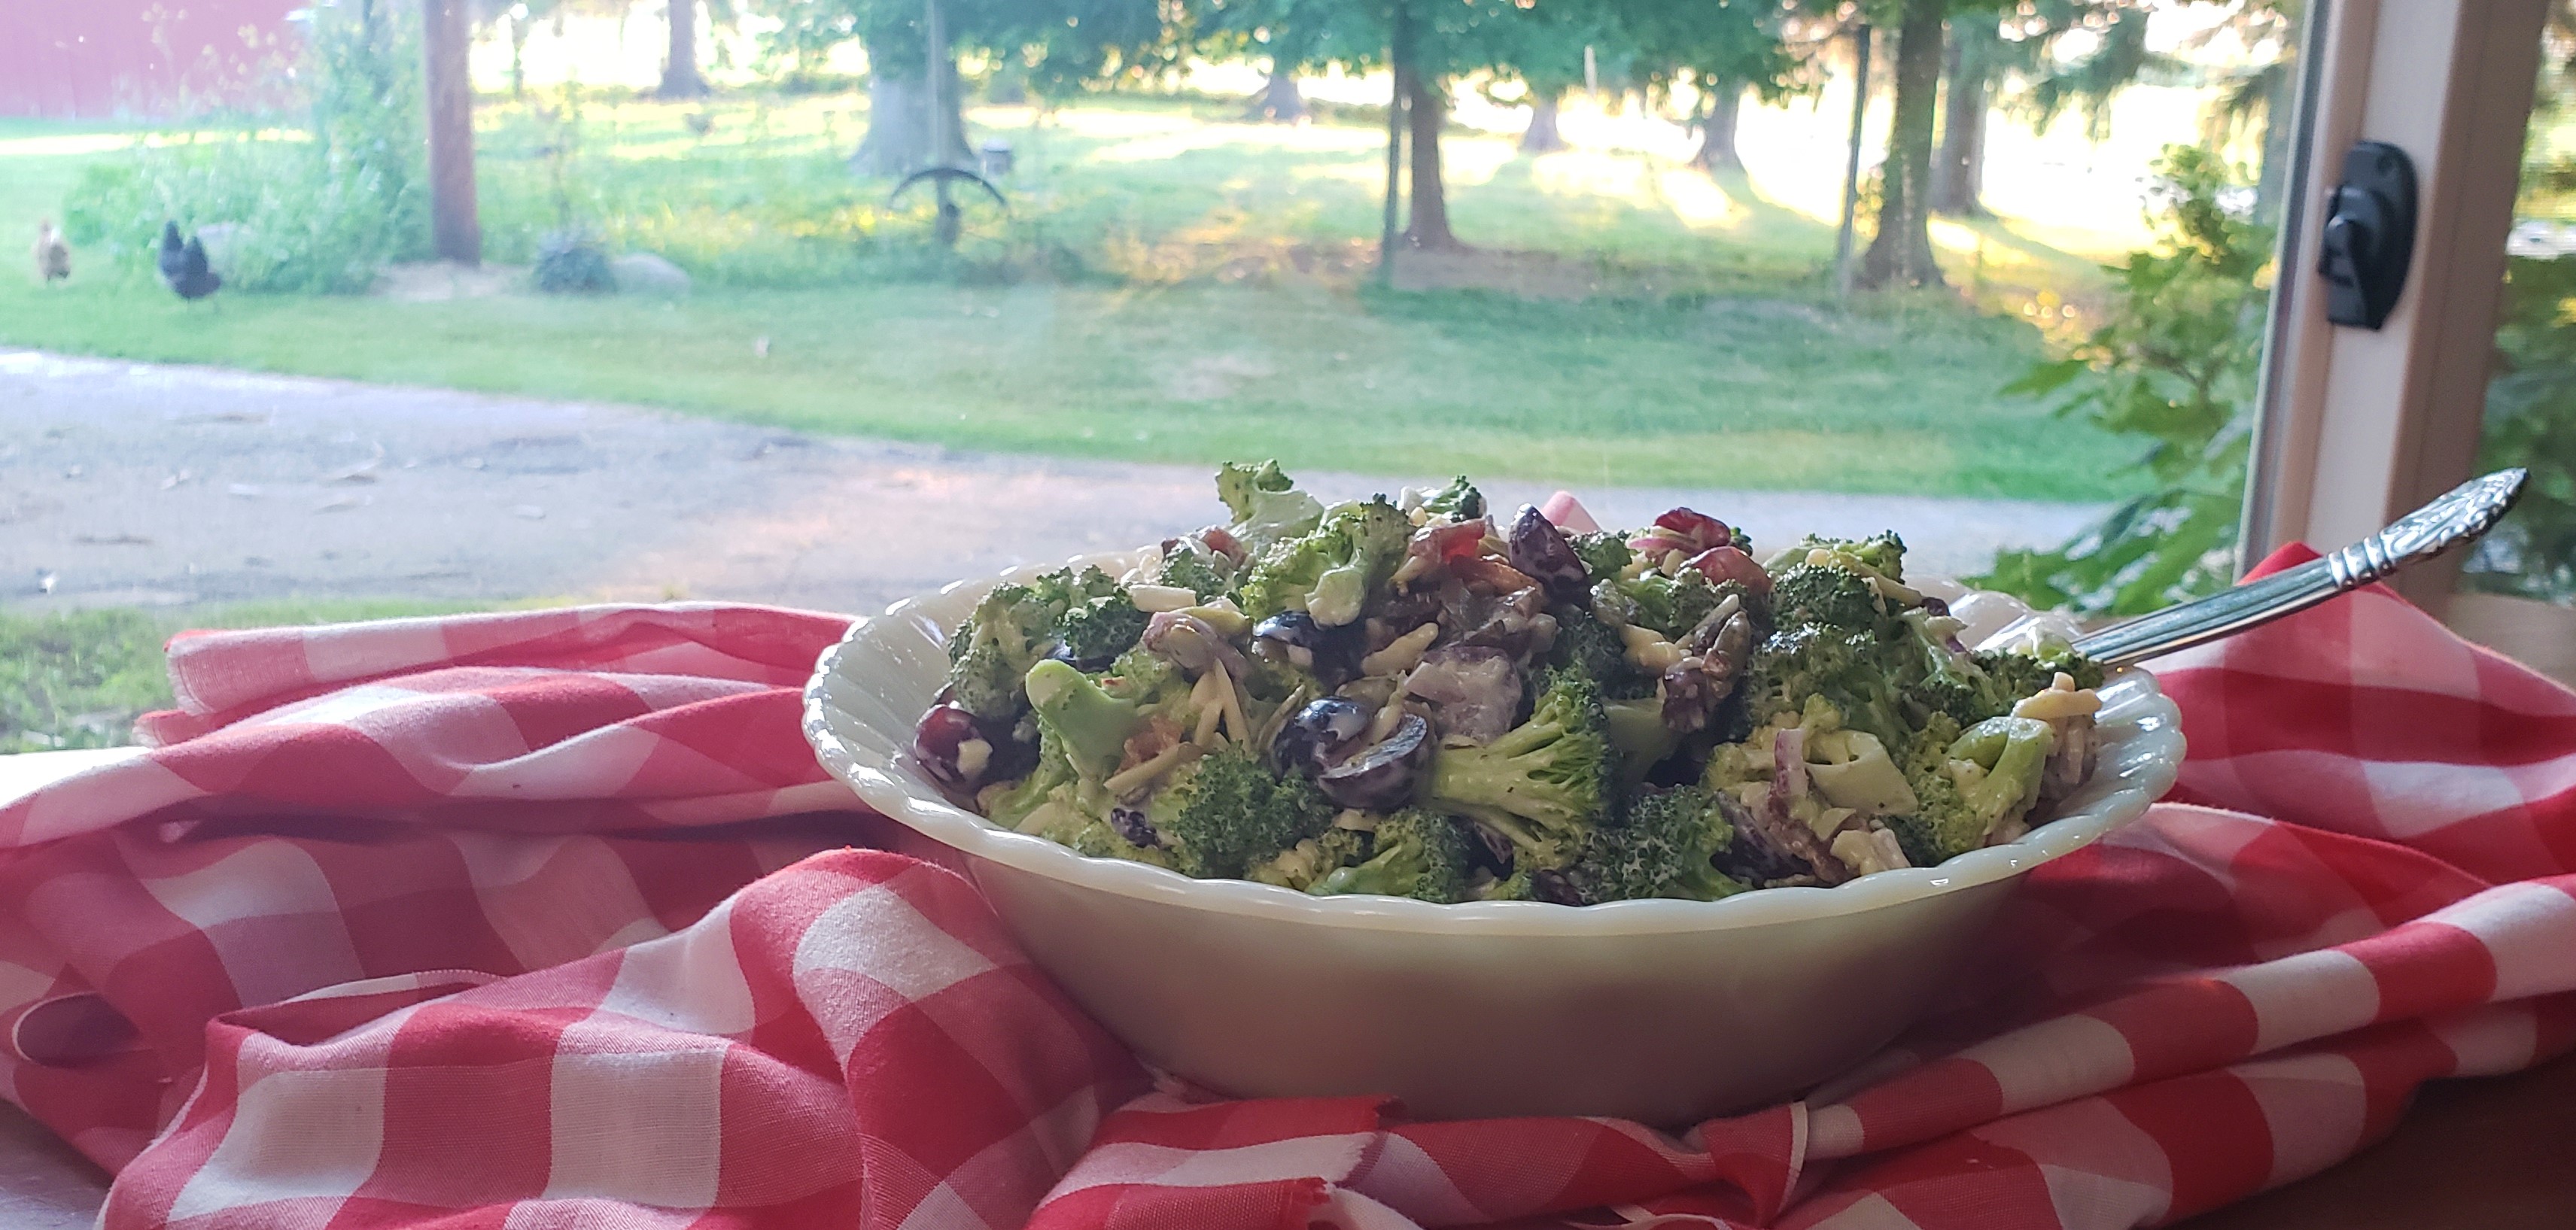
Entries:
{"x":78,"y":679}
{"x":1672,"y":333}
{"x":1686,"y":391}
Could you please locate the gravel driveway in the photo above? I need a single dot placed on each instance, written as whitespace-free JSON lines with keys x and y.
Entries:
{"x":147,"y":485}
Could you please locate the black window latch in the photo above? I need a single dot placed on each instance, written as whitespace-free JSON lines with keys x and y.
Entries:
{"x":2369,"y":235}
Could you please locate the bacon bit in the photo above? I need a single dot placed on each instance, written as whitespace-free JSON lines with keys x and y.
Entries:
{"x":1448,"y":543}
{"x":1698,"y":530}
{"x":1160,"y":732}
{"x":1489,"y":575}
{"x":1218,"y":539}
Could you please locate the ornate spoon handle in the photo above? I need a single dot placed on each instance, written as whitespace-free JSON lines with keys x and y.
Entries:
{"x":2468,"y":510}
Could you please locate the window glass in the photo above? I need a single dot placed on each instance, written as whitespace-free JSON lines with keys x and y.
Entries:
{"x":767,"y":309}
{"x":2531,"y":398}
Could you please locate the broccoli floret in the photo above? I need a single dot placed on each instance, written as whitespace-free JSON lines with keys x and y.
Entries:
{"x":1330,"y":572}
{"x":1202,"y":573}
{"x":1094,"y":632}
{"x":1144,"y":677}
{"x":1986,"y":778}
{"x":1638,"y":735}
{"x":1226,"y":812}
{"x":1669,"y":605}
{"x":1883,"y":553}
{"x":1301,"y":865}
{"x":1015,"y":625}
{"x":1940,"y":680}
{"x":1269,"y":679}
{"x":1416,"y":853}
{"x":1266,"y":504}
{"x":992,"y":651}
{"x":1459,"y":501}
{"x":1603,"y":555}
{"x":2020,"y":674}
{"x":1514,"y":887}
{"x":1153,"y":684}
{"x":1094,"y":837}
{"x":1844,"y":667}
{"x":1545,"y":783}
{"x":1585,"y":643}
{"x":1823,"y":594}
{"x":1091,"y":725}
{"x":1667,"y":847}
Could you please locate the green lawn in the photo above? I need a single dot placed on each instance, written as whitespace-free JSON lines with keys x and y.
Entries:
{"x":79,"y":679}
{"x":1675,"y":331}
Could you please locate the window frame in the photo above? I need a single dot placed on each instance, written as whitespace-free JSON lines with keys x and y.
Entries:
{"x":2356,"y":427}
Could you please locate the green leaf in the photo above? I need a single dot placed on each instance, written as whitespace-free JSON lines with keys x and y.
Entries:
{"x":2044,"y":378}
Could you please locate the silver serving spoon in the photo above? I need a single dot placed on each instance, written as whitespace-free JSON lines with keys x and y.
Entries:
{"x":2468,"y":510}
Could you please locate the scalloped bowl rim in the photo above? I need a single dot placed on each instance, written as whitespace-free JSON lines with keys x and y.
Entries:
{"x":902,"y":794}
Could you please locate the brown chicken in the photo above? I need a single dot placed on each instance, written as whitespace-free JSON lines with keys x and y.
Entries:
{"x":53,"y":256}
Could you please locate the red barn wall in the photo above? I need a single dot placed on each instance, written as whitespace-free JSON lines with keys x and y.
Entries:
{"x":97,"y":59}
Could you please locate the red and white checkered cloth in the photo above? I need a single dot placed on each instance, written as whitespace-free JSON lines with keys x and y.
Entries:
{"x":499,"y":921}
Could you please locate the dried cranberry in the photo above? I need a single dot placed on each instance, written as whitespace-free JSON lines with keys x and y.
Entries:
{"x":1132,"y":825}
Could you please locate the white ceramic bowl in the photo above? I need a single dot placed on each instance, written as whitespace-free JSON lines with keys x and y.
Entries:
{"x":1660,"y":1011}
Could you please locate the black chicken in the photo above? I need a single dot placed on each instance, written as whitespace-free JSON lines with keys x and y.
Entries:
{"x":183,"y":265}
{"x":174,"y":255}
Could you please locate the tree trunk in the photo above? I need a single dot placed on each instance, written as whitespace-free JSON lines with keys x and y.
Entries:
{"x":1901,"y":253}
{"x":518,"y":59}
{"x":1541,"y":137}
{"x":455,"y":228}
{"x":1717,"y":129}
{"x":1279,"y":101}
{"x":1426,"y":108}
{"x":1959,"y":170}
{"x":898,"y":138}
{"x":680,"y":77}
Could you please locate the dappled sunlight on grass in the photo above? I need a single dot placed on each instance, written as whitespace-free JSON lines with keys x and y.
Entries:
{"x":1361,"y":171}
{"x":1621,"y":317}
{"x":1698,"y":201}
{"x":1587,"y":173}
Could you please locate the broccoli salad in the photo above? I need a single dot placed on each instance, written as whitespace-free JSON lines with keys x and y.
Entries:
{"x":1407,"y":697}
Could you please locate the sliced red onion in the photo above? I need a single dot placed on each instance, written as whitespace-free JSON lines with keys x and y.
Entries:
{"x":1789,"y":767}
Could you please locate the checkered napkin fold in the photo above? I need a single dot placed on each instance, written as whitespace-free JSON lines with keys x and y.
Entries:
{"x":549,"y":920}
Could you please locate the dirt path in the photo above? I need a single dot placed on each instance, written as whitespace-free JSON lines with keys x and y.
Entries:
{"x":146,"y":485}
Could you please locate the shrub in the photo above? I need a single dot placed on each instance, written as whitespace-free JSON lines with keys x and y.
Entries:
{"x":569,"y":262}
{"x":316,"y":210}
{"x":2175,"y":365}
{"x":2531,"y":421}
